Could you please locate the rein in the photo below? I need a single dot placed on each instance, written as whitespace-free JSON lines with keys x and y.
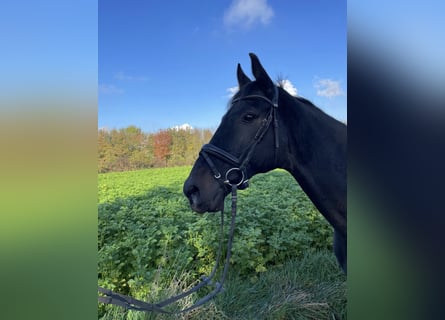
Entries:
{"x":129,"y":303}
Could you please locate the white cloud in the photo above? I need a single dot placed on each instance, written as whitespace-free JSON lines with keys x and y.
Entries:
{"x":126,"y":77}
{"x":109,"y":89}
{"x":328,"y":88}
{"x":232,"y":91}
{"x":289,"y":87}
{"x":246,"y":13}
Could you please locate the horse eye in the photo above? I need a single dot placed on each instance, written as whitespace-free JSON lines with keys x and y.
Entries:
{"x":249,"y":117}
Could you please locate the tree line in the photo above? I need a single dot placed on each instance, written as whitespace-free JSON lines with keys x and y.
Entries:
{"x":131,"y":149}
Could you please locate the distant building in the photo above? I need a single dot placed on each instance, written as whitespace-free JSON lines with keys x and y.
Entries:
{"x":184,"y":126}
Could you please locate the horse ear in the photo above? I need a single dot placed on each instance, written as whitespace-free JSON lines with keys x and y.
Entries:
{"x":242,"y":78}
{"x":261,"y":75}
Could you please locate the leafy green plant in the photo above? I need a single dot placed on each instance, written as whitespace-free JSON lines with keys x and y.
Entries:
{"x":147,"y":230}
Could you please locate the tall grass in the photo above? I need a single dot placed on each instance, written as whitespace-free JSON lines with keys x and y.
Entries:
{"x":312,"y":287}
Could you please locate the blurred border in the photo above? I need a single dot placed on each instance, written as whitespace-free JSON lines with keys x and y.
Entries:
{"x":48,"y":124}
{"x":396,"y":159}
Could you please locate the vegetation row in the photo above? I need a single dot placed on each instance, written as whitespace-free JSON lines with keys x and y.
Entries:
{"x":148,"y":234}
{"x":131,"y":149}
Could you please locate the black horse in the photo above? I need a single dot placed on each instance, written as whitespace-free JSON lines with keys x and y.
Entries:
{"x":267,"y":128}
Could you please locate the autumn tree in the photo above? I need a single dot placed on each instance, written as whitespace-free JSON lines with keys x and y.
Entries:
{"x":138,"y":153}
{"x":179,"y":147}
{"x":131,"y":149}
{"x":105,"y":151}
{"x":162,"y":142}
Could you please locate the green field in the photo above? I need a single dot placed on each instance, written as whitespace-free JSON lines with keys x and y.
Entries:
{"x":151,"y":245}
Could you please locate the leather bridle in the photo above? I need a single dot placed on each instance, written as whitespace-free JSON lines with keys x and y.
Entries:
{"x":237,"y":175}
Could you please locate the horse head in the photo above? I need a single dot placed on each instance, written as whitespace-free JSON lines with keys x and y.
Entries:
{"x":243,"y":145}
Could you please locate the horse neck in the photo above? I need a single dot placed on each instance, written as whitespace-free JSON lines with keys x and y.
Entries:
{"x":316,"y":157}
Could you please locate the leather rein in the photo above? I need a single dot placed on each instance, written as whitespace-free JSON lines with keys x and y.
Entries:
{"x":239,"y":168}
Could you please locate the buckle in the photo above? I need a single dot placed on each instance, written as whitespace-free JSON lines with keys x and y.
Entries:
{"x":233,"y":182}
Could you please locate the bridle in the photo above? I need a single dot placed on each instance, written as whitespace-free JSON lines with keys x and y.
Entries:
{"x":237,"y":176}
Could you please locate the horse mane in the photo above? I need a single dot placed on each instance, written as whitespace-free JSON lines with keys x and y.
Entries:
{"x":281,"y":80}
{"x":306,"y":101}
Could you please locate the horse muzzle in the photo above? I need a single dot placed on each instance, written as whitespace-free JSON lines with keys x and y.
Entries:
{"x":205,"y":198}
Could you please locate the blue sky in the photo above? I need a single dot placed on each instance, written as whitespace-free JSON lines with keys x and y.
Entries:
{"x":164,"y":63}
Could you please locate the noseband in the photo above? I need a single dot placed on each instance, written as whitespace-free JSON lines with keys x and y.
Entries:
{"x":237,"y":176}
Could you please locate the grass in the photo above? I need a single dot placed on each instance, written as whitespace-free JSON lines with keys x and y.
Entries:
{"x":312,"y":287}
{"x":296,"y":282}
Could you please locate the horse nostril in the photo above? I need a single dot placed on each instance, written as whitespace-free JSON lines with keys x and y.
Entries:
{"x":190,"y":189}
{"x":192,"y":194}
{"x":194,"y":191}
